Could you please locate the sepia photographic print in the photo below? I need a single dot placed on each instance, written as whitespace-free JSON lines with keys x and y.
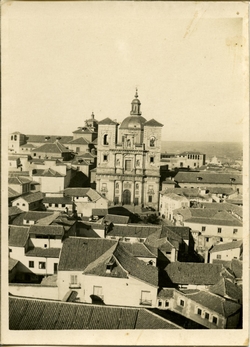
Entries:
{"x":125,"y":149}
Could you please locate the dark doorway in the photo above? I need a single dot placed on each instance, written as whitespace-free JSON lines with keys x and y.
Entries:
{"x":126,"y":197}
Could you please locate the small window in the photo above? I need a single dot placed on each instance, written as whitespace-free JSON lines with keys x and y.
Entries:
{"x":34,"y":154}
{"x":50,"y":204}
{"x":182,"y":303}
{"x":63,"y":205}
{"x":152,"y":160}
{"x":219,"y":230}
{"x":42,"y":265}
{"x":159,"y":303}
{"x":207,"y":239}
{"x":105,"y":157}
{"x":105,"y":140}
{"x":218,"y":256}
{"x":235,"y":231}
{"x":207,"y":315}
{"x":73,"y":279}
{"x":166,"y":303}
{"x":199,"y":311}
{"x":23,"y":204}
{"x":215,"y":320}
{"x":10,"y":250}
{"x":203,"y":228}
{"x":17,"y":204}
{"x":31,"y":264}
{"x":150,"y":198}
{"x":45,"y":245}
{"x":56,"y":205}
{"x":152,"y":142}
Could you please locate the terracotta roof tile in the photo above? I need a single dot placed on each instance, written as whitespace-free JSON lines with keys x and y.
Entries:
{"x":130,"y":230}
{"x":43,"y":252}
{"x":53,"y":230}
{"x":153,"y":123}
{"x":12,"y":263}
{"x":208,"y":177}
{"x":107,"y":121}
{"x":220,"y":247}
{"x":18,"y":236}
{"x":196,"y":273}
{"x":50,"y":138}
{"x":31,"y":197}
{"x":31,"y":314}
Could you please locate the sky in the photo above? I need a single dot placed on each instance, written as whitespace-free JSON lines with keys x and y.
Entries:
{"x":62,"y":61}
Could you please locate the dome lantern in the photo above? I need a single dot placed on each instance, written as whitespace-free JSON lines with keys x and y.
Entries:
{"x":135,"y":110}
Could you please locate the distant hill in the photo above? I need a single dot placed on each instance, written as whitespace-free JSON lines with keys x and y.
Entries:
{"x":222,"y":150}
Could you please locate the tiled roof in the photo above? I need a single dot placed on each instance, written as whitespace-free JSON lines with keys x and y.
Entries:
{"x":47,"y":173}
{"x":48,"y":138}
{"x":57,"y":200}
{"x":159,"y":241}
{"x":18,"y":236}
{"x":43,"y":252}
{"x":50,"y":281}
{"x":176,"y":197}
{"x":13,"y":157}
{"x":138,"y":249}
{"x":208,"y":216}
{"x":166,"y":293}
{"x":14,"y":210}
{"x":99,"y":211}
{"x":130,"y":230}
{"x":190,"y":152}
{"x":95,"y":141}
{"x":31,"y":197}
{"x":224,"y":207}
{"x":55,"y":230}
{"x":226,"y":246}
{"x":83,"y":130}
{"x":47,"y":220}
{"x":153,"y":123}
{"x":215,"y":302}
{"x":107,"y":121}
{"x":117,"y":219}
{"x":31,"y":216}
{"x":227,"y":289}
{"x":28,"y":145}
{"x":135,"y":267}
{"x":221,"y":190}
{"x":12,"y":193}
{"x":34,"y":314}
{"x":78,"y":253}
{"x":79,"y":141}
{"x":208,"y":177}
{"x":195,"y":273}
{"x":86,"y":156}
{"x":234,"y":265}
{"x":92,"y":194}
{"x":12,"y":263}
{"x":19,"y":180}
{"x":187,"y":192}
{"x":55,"y":147}
{"x":183,"y":232}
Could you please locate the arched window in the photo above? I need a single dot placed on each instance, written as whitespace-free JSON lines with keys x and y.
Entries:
{"x":15,"y":137}
{"x":11,"y":137}
{"x":152,"y":142}
{"x":105,"y":139}
{"x":129,"y":143}
{"x":117,"y":185}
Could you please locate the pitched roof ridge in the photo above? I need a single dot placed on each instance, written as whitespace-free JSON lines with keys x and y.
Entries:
{"x":148,"y":249}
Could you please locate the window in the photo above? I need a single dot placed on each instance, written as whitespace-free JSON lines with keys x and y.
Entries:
{"x":63,"y":205}
{"x":182,"y":302}
{"x":207,"y":315}
{"x":146,"y":298}
{"x":199,"y":311}
{"x":152,"y":142}
{"x":150,"y":198}
{"x":207,"y":239}
{"x":218,"y":256}
{"x":10,"y":250}
{"x":159,"y":303}
{"x":105,"y":140}
{"x":31,"y":264}
{"x":104,"y":187}
{"x":166,"y":303}
{"x":56,"y":205}
{"x":235,"y":231}
{"x":17,"y":204}
{"x":73,"y":279}
{"x":219,"y":230}
{"x":23,"y":204}
{"x":215,"y":320}
{"x":42,"y":265}
{"x":203,"y":228}
{"x":152,"y":160}
{"x":34,"y":154}
{"x":97,"y":291}
{"x":128,"y":165}
{"x":105,"y":157}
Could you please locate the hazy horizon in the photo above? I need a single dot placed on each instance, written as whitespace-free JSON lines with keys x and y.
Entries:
{"x":188,"y":67}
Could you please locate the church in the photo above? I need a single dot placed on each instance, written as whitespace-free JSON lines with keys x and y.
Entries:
{"x":128,"y":159}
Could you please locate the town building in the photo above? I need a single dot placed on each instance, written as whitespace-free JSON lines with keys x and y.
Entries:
{"x":226,"y":251}
{"x":128,"y":158}
{"x":188,"y":159}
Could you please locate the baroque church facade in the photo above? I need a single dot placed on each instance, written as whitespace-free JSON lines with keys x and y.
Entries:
{"x":128,"y":159}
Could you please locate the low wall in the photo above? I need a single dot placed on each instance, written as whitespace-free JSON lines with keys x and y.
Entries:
{"x":34,"y":291}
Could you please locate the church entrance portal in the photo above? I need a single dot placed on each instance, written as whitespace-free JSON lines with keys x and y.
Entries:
{"x":126,"y":197}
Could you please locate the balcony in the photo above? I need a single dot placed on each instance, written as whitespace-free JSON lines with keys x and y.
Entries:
{"x":74,"y":285}
{"x":145,"y":302}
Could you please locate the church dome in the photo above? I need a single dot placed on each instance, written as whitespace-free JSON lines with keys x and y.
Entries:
{"x":133,"y":122}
